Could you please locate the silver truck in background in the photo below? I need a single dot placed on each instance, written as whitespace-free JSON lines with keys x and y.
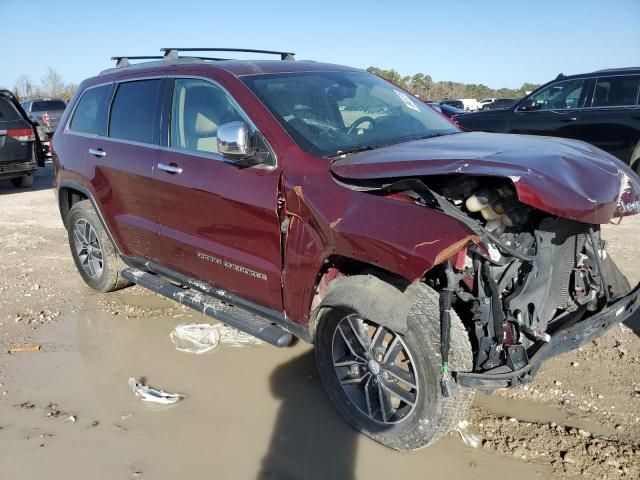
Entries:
{"x":46,"y":112}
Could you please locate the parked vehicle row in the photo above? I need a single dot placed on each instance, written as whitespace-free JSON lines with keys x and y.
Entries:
{"x":601,"y":108}
{"x":421,"y":261}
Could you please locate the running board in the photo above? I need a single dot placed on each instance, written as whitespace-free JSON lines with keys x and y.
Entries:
{"x":235,"y":317}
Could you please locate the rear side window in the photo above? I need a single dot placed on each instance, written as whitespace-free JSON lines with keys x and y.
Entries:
{"x":616,"y":91}
{"x":91,"y":113}
{"x":133,"y":113}
{"x":7,"y":111}
{"x":45,"y":105}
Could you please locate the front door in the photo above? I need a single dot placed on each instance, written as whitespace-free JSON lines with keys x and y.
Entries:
{"x":555,"y":111}
{"x":219,"y":220}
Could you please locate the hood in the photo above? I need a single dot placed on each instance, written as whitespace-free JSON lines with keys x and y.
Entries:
{"x":567,"y":178}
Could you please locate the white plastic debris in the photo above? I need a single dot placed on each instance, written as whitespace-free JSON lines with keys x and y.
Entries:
{"x":70,"y":419}
{"x":469,"y":437}
{"x":149,"y":394}
{"x":200,"y":338}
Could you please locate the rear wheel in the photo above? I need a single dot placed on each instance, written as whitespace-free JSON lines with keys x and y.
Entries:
{"x":93,"y":252}
{"x":386,"y":384}
{"x":24,"y":181}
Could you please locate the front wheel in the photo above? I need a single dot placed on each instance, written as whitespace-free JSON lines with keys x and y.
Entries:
{"x":387,"y":385}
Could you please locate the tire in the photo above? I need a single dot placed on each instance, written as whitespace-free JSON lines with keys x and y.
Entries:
{"x":24,"y":181}
{"x":98,"y":262}
{"x":432,"y":415}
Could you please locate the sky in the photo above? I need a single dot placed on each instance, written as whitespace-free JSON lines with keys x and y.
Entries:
{"x":499,"y":43}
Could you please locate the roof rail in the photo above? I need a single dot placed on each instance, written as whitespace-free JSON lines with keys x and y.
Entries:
{"x":123,"y":61}
{"x":173,"y":53}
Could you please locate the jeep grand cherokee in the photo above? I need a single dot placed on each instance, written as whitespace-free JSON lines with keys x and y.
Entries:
{"x":304,"y":199}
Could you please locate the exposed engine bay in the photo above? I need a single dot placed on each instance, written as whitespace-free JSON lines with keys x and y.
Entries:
{"x":531,"y":273}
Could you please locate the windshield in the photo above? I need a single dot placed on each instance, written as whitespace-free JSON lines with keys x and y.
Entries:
{"x":332,"y":113}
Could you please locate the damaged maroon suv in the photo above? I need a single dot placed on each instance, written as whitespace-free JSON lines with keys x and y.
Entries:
{"x":301,"y":199}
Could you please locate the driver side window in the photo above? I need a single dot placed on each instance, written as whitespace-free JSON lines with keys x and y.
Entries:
{"x":560,"y":96}
{"x":198,"y":109}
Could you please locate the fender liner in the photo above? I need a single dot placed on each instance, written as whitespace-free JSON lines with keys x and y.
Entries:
{"x":87,"y":193}
{"x":370,"y":296}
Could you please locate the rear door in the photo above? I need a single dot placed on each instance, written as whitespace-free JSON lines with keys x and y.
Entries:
{"x":557,"y":111}
{"x":612,"y":120}
{"x":115,"y":142}
{"x":220,"y":220}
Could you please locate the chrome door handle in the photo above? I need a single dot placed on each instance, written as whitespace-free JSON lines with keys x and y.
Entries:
{"x":169,"y":168}
{"x":569,"y":119}
{"x":97,"y":152}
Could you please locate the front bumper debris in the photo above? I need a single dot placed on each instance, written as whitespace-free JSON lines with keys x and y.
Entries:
{"x":563,"y":340}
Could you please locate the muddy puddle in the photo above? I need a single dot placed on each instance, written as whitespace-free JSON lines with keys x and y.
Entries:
{"x":535,"y":412}
{"x":250,"y":412}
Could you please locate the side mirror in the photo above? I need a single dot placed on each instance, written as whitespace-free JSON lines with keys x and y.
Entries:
{"x":528,"y":105}
{"x":233,"y":141}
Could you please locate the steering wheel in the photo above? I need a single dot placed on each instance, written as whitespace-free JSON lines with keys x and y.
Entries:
{"x":357,"y":123}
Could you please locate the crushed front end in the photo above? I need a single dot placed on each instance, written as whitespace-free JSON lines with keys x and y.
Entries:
{"x":537,"y":285}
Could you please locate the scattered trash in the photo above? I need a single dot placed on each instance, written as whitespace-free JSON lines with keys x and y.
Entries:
{"x":25,"y":348}
{"x":470,"y":438}
{"x":200,"y":338}
{"x":149,"y":394}
{"x":125,"y":416}
{"x":95,"y":423}
{"x":71,"y":419}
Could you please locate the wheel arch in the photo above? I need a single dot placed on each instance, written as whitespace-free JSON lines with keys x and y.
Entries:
{"x":70,"y":193}
{"x":377,"y":294}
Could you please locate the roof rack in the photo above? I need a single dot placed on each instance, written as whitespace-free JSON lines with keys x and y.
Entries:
{"x":173,"y":53}
{"x":123,"y":61}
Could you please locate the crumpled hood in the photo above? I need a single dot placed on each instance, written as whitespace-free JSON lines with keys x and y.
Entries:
{"x":568,"y":178}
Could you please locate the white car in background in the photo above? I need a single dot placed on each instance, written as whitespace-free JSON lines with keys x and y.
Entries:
{"x":486,"y":101}
{"x":470,"y":104}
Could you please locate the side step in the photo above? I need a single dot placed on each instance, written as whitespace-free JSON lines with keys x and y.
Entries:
{"x":212,"y":307}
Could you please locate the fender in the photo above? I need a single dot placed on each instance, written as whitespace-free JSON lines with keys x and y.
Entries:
{"x":87,"y":193}
{"x":371,"y":297}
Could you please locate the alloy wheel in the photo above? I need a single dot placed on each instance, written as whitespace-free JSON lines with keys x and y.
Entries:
{"x":375,"y":369}
{"x":88,"y":248}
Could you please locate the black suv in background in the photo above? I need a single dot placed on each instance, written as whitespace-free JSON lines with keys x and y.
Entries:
{"x":20,"y":149}
{"x":601,"y":108}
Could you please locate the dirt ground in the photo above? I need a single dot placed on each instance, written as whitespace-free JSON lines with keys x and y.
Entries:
{"x":66,"y":410}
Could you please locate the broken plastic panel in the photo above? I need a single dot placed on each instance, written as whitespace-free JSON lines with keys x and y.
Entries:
{"x":200,"y":338}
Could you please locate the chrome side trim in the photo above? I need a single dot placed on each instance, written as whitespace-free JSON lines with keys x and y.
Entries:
{"x":169,"y":168}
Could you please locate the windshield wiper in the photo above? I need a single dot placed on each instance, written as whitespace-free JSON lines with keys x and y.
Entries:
{"x":431,"y":135}
{"x":361,"y":148}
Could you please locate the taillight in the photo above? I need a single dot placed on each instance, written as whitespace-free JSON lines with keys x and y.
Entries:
{"x":21,"y":134}
{"x":45,"y":118}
